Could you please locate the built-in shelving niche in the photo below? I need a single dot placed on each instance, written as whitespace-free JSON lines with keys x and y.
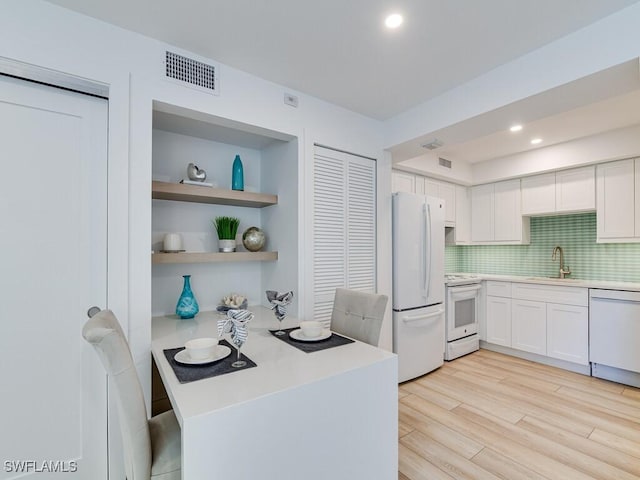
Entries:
{"x":270,"y":201}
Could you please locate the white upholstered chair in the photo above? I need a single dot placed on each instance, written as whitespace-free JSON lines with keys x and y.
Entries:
{"x":152,"y":447}
{"x":358,"y":315}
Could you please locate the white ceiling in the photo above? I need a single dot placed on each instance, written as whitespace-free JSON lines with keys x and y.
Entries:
{"x":339,"y":51}
{"x":604,"y":101}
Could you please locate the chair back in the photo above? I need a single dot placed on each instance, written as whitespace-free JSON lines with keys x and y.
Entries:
{"x":358,"y":315}
{"x":104,"y":332}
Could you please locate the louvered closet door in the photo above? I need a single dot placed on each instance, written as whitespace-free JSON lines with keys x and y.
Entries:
{"x":344,"y":227}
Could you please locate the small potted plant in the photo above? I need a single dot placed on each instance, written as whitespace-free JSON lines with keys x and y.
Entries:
{"x":227,"y":228}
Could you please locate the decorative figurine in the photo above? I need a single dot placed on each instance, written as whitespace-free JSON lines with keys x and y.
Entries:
{"x":196,"y":174}
{"x":253,"y":239}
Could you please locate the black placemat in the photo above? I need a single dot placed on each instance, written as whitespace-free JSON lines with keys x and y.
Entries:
{"x":191,"y":373}
{"x":334,"y":340}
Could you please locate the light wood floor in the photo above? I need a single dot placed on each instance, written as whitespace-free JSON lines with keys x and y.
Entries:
{"x":492,"y":416}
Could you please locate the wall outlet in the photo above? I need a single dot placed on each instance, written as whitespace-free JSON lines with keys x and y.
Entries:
{"x":290,"y":99}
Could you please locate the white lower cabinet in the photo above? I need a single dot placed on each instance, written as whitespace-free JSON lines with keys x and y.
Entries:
{"x":568,"y":333}
{"x":498,"y":320}
{"x":529,"y":326}
{"x":530,"y":318}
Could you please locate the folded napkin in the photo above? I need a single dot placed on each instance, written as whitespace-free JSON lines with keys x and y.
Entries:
{"x":279,"y":302}
{"x":235,"y":324}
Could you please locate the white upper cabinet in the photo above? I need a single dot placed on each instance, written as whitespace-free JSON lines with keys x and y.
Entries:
{"x":576,"y":190}
{"x":559,"y":192}
{"x":403,"y":182}
{"x":539,"y":194}
{"x":508,"y":213}
{"x":482,"y":213}
{"x":461,"y":234}
{"x":447,"y":192}
{"x":410,"y":183}
{"x":496,"y":215}
{"x":617,"y":208}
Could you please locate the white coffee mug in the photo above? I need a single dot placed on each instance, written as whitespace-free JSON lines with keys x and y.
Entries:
{"x":172,"y":242}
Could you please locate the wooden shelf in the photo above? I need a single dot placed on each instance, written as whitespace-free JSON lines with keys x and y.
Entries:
{"x":202,"y":194}
{"x":210,"y":257}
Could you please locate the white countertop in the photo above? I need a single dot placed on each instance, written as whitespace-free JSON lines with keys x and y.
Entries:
{"x":567,"y":282}
{"x":280,"y":366}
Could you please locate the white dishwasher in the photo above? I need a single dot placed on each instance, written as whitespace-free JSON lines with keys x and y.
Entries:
{"x":614,"y":335}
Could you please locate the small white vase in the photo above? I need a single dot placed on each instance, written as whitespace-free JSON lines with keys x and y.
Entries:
{"x":226,"y":245}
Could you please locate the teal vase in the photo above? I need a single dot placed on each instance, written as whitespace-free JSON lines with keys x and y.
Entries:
{"x":187,"y":306}
{"x":237,"y":176}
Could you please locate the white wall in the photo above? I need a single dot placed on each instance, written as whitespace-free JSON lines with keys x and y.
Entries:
{"x":283,"y":175}
{"x":429,"y":165}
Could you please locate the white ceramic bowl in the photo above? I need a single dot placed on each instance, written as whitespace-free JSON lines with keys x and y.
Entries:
{"x":201,"y":348}
{"x":311,"y":328}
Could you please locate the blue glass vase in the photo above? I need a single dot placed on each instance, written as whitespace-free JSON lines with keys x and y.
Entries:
{"x":187,"y":306}
{"x":237,"y":176}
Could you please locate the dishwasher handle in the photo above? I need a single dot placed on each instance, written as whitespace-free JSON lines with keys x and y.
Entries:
{"x":622,"y":295}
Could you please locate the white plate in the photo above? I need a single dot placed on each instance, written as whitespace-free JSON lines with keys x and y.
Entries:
{"x":221,"y":351}
{"x":298,"y":335}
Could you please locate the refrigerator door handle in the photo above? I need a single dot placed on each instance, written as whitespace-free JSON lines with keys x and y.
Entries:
{"x":414,"y":319}
{"x":427,"y":248}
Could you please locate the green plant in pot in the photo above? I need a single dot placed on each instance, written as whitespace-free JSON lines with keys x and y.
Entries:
{"x":227,"y":228}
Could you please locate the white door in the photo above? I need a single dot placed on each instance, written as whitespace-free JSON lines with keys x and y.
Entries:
{"x":615,"y":199}
{"x":539,"y":194}
{"x":529,"y":326}
{"x":447,"y":192}
{"x":418,"y":251}
{"x":499,"y":321}
{"x":344,"y":227}
{"x":54,"y":249}
{"x":403,"y":182}
{"x":568,"y":333}
{"x":507,"y":217}
{"x":419,"y":340}
{"x":482,"y":215}
{"x":576,"y":189}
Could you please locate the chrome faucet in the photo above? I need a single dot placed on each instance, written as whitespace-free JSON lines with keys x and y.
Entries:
{"x":563,"y":271}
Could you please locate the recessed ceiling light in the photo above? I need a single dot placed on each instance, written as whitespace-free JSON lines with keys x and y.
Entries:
{"x":393,"y":21}
{"x":536,"y":141}
{"x":515,"y":128}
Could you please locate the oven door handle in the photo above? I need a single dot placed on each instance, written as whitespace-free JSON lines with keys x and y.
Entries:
{"x":465,"y":289}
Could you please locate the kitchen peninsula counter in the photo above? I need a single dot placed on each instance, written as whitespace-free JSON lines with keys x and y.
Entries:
{"x":326,"y":414}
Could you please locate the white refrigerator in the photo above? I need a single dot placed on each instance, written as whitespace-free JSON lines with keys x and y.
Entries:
{"x":418,"y":284}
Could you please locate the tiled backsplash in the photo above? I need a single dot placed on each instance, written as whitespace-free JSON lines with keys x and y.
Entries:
{"x":576,"y":234}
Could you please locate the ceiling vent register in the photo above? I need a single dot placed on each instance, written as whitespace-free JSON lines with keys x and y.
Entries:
{"x":444,"y":162}
{"x":191,"y":72}
{"x":432,"y":145}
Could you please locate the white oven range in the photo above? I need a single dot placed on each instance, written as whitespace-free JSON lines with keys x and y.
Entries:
{"x":462,"y":294}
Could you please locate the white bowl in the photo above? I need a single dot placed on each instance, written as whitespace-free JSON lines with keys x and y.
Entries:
{"x":311,"y":328}
{"x":201,"y":348}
